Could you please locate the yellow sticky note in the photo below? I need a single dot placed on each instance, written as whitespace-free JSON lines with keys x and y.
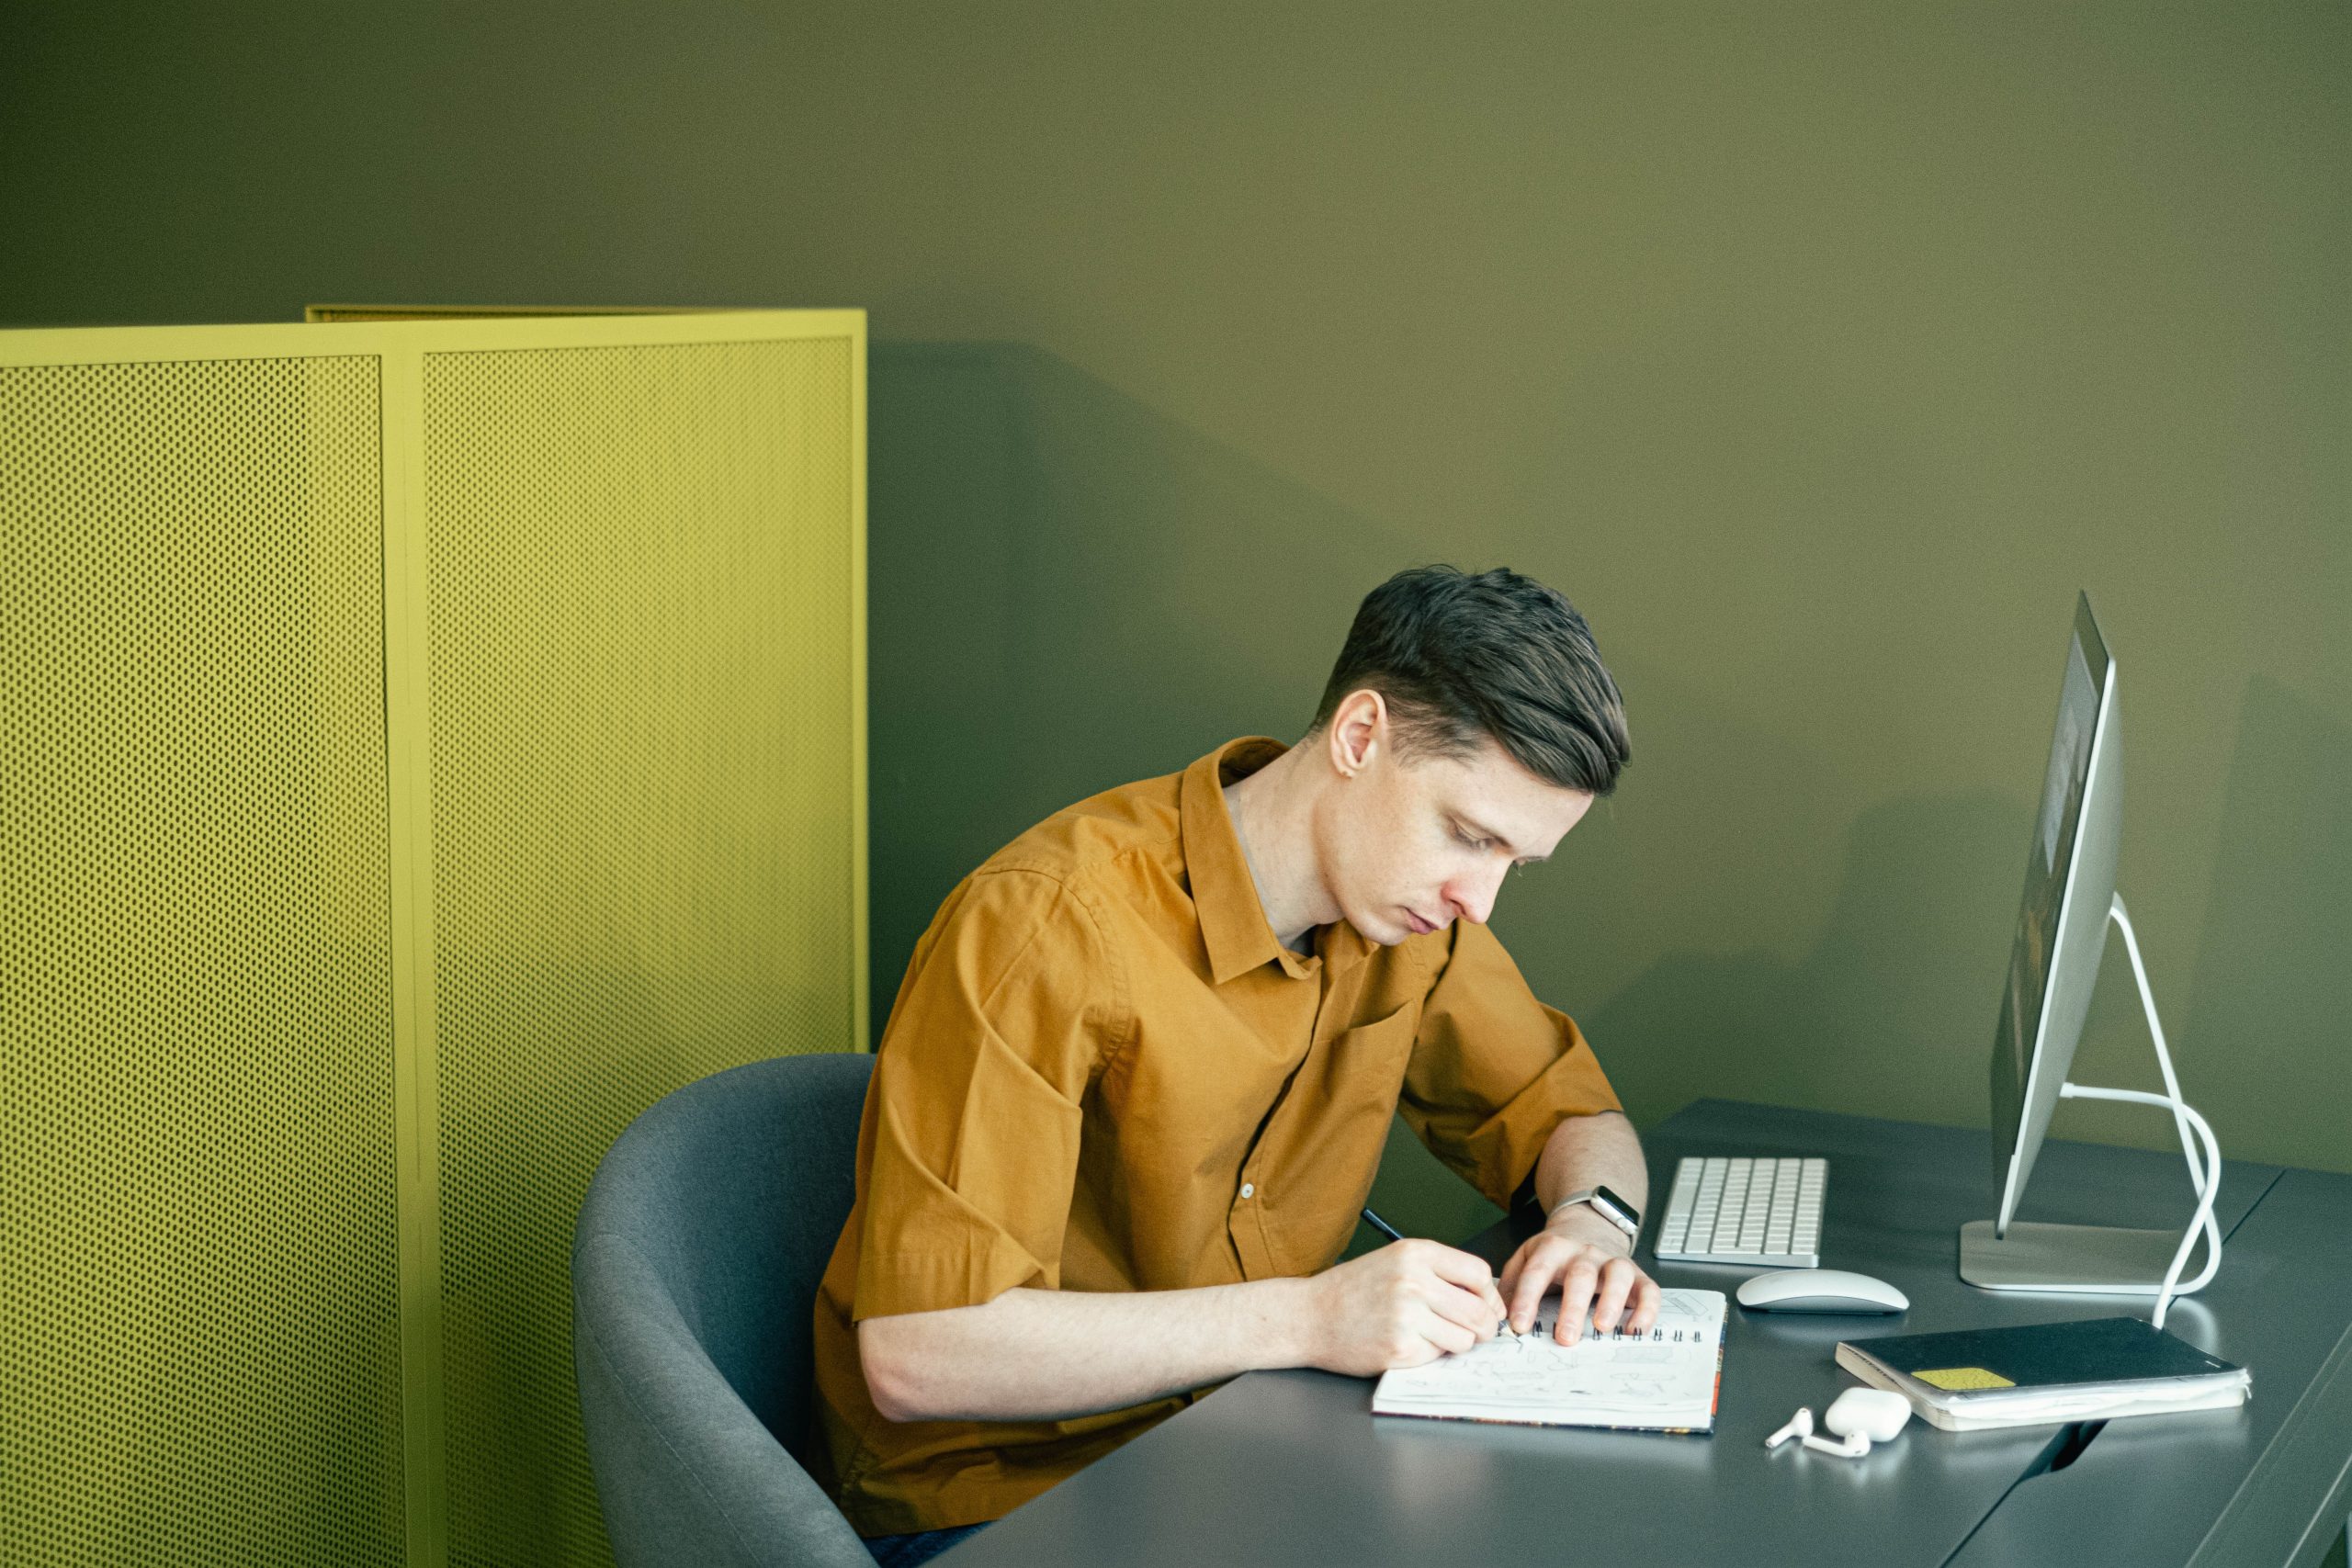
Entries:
{"x":1964,"y":1377}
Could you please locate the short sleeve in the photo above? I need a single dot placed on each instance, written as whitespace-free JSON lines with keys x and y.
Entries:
{"x":979,"y":1083}
{"x":1494,"y":1070}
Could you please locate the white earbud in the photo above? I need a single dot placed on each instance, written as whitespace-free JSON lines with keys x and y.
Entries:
{"x":1855,"y":1446}
{"x":1800,"y":1426}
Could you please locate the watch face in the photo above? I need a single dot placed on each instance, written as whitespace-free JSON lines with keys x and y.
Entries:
{"x":1629,"y":1216}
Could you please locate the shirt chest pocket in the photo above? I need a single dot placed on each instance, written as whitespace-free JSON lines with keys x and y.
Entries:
{"x":1372,"y":1056}
{"x":1364,"y":1070}
{"x":1324,"y":1142}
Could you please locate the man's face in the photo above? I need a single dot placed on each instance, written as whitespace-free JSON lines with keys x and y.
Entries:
{"x":1410,"y":848}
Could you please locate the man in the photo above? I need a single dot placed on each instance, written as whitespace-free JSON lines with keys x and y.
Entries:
{"x":1138,"y":1076}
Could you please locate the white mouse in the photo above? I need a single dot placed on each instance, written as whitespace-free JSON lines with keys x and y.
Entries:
{"x":1820,"y":1290}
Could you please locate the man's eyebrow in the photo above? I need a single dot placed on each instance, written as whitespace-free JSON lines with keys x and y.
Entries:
{"x":1490,"y":833}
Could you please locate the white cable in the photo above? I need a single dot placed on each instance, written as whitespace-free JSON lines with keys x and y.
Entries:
{"x":2207,"y":1190}
{"x":2115,"y":911}
{"x":2205,"y":1175}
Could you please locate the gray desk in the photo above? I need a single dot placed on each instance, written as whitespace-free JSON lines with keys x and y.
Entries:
{"x":1290,"y":1468}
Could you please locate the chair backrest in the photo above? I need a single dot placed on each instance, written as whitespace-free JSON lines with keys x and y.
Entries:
{"x":696,"y":1262}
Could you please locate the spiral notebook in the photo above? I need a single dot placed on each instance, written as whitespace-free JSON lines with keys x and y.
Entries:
{"x":1663,"y":1380}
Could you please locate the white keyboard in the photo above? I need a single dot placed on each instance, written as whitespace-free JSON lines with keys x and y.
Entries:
{"x":1761,"y":1211}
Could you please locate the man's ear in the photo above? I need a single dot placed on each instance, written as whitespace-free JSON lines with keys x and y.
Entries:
{"x":1362,"y":710}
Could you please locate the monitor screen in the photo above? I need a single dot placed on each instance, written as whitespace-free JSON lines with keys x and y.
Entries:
{"x":2048,"y":860}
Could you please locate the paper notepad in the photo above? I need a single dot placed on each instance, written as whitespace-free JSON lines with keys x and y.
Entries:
{"x":1663,"y":1380}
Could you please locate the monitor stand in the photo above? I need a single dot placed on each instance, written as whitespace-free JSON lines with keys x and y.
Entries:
{"x":2104,"y":1259}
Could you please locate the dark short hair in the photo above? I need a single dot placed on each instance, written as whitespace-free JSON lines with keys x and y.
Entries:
{"x":1462,"y":658}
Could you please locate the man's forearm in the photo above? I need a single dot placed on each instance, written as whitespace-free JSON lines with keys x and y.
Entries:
{"x":1592,"y":1151}
{"x":1045,"y":1355}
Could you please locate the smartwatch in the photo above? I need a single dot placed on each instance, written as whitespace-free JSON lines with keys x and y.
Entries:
{"x":1609,"y":1205}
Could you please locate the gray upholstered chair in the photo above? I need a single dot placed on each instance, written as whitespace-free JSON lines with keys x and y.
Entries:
{"x":693,"y":1270}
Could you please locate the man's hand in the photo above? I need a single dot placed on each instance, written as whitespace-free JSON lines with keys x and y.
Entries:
{"x":1406,"y":1304}
{"x":1589,"y":1261}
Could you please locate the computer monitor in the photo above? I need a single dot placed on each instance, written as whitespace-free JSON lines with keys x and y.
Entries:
{"x":2062,"y":922}
{"x":2070,"y":900}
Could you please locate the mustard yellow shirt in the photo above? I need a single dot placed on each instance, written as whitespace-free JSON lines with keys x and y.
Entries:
{"x":1104,"y":1072}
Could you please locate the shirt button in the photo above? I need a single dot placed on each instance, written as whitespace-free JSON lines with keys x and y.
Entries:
{"x":1249,"y":1189}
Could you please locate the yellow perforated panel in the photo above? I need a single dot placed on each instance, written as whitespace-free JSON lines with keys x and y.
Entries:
{"x":199,"y":1349}
{"x":643,"y":798}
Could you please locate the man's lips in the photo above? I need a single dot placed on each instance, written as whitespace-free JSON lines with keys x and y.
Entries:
{"x":1420,"y":927}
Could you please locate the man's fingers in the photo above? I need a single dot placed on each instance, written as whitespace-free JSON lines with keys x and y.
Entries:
{"x":1645,"y":1301}
{"x":1510,"y":1276}
{"x":1527,"y":1294}
{"x":1509,"y":1287}
{"x":1541,"y":1265}
{"x":1466,"y":1271}
{"x":1458,"y":1268}
{"x":1576,"y":1299}
{"x":1617,"y":1278}
{"x":1476,"y":1310}
{"x":1614,"y":1291}
{"x":1447,"y":1335}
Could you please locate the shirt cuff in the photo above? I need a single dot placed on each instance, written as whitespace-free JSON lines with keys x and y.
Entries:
{"x":1503,"y":1149}
{"x":973,"y":1274}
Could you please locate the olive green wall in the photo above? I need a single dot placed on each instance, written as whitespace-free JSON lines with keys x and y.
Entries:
{"x":1819,"y":353}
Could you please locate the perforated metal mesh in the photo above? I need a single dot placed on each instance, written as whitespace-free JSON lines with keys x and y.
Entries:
{"x":641,"y":846}
{"x":198,"y":1353}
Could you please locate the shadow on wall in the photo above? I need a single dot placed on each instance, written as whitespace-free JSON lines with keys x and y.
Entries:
{"x":2266,"y":1053}
{"x":1070,"y":590}
{"x":1888,"y":1012}
{"x":1891,"y":1011}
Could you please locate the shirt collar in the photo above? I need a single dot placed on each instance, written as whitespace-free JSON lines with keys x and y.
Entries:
{"x":1225,"y":895}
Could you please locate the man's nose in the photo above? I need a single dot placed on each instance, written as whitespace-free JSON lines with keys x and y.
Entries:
{"x":1473,"y":898}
